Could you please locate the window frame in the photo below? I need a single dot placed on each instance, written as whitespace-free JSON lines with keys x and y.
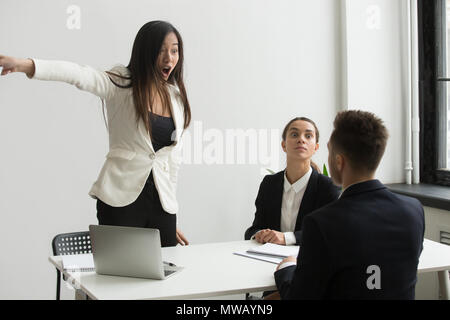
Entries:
{"x":432,"y":89}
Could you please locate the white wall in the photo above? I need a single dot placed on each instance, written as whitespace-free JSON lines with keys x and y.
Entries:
{"x":250,"y":65}
{"x":375,"y":57}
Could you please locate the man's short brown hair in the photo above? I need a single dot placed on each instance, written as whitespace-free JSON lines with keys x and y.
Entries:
{"x":361,"y":137}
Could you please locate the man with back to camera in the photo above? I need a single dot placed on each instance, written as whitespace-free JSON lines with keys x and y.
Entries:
{"x":365,"y":245}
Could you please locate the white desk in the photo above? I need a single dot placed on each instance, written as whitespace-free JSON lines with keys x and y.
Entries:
{"x":213,"y":270}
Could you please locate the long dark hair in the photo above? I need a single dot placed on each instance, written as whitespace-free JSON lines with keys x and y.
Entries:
{"x":144,"y":75}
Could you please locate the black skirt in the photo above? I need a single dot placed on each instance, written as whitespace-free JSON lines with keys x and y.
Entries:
{"x":145,"y":212}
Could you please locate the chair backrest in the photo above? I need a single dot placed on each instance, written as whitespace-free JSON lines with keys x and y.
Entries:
{"x":71,"y":243}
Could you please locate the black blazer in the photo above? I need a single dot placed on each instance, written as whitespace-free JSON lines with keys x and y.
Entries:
{"x":319,"y":192}
{"x":367,"y":226}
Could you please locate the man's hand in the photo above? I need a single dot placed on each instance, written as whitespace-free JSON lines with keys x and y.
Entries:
{"x":181,"y":238}
{"x":288,"y":259}
{"x":271,"y":236}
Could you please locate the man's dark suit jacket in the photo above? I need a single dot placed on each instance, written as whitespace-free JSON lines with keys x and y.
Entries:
{"x":367,"y":226}
{"x":319,"y":192}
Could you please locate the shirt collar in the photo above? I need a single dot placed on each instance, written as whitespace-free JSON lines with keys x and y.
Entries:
{"x":300,"y":184}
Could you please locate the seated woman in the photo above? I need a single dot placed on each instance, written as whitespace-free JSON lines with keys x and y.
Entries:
{"x":285,"y":198}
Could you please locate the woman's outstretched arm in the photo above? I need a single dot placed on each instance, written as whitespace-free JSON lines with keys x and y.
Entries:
{"x":83,"y":77}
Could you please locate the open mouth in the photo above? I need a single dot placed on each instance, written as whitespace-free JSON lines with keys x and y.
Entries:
{"x":166,"y":71}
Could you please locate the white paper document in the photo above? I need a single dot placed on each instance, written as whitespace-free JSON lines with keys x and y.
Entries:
{"x":78,"y":263}
{"x":261,"y":257}
{"x":275,"y":250}
{"x":270,"y":252}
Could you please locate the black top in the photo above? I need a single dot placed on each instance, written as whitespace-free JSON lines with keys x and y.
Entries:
{"x":365,"y":245}
{"x":162,"y":130}
{"x":320,"y":191}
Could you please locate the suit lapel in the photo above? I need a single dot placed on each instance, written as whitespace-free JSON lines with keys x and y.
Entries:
{"x":175,"y":108}
{"x":278,"y":191}
{"x":144,"y":133}
{"x":308,"y":201}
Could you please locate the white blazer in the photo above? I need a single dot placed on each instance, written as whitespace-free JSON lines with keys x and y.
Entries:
{"x":131,"y":156}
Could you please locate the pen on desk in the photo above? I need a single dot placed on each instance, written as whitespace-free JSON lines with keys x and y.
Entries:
{"x":169,"y":263}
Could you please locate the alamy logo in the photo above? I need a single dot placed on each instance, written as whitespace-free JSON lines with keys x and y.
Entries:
{"x":373,"y":21}
{"x":232,"y":147}
{"x":74,"y":18}
{"x":374,"y":280}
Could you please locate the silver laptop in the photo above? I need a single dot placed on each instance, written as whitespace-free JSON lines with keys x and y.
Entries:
{"x":129,"y":252}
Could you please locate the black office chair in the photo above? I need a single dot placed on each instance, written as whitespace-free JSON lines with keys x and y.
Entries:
{"x":69,"y":243}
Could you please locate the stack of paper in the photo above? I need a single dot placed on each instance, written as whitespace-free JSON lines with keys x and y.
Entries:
{"x":78,"y":263}
{"x":270,"y":252}
{"x":275,"y":250}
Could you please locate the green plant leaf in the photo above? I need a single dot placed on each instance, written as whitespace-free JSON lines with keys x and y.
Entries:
{"x":325,"y":171}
